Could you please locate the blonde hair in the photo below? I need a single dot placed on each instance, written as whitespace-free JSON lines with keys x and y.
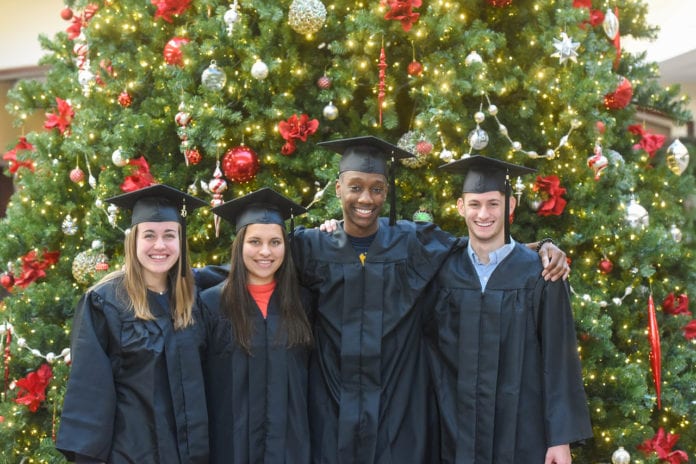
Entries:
{"x":133,"y":283}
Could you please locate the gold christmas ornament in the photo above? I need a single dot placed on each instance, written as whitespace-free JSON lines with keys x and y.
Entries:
{"x":306,"y":16}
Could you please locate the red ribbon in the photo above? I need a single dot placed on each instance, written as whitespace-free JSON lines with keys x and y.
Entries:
{"x":655,"y":351}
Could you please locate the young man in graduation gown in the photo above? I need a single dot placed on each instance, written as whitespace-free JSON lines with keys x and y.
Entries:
{"x":369,"y":389}
{"x":501,"y":339}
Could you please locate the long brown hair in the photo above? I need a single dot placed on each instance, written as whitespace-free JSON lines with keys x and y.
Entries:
{"x":135,"y":297}
{"x":238,"y":304}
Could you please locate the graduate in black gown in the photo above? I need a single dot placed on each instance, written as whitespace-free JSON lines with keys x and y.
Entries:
{"x":259,"y":338}
{"x":369,"y":386}
{"x":135,"y":392}
{"x":501,"y":339}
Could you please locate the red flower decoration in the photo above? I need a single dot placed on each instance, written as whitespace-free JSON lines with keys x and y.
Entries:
{"x":31,"y":390}
{"x":33,"y":268}
{"x":140,"y":178}
{"x":582,"y":3}
{"x":682,"y":306}
{"x":661,"y":444}
{"x":690,"y":330}
{"x":648,"y":142}
{"x":621,"y":97}
{"x":11,"y":156}
{"x":166,"y":9}
{"x":551,"y":189}
{"x":172,"y":51}
{"x":62,"y":118}
{"x":296,"y":129}
{"x":402,"y":10}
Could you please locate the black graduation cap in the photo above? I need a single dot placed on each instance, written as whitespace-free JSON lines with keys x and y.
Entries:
{"x":485,"y":174}
{"x":160,"y":203}
{"x":369,"y":154}
{"x":263,"y":206}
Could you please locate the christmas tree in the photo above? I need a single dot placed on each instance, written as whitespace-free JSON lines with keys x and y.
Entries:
{"x":223,"y":98}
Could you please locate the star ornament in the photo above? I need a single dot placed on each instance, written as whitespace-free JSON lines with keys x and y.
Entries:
{"x":565,"y":49}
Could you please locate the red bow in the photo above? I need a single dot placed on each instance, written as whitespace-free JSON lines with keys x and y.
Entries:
{"x":682,"y":306}
{"x":690,"y":330}
{"x":551,"y":186}
{"x":296,"y":129}
{"x":648,"y":142}
{"x":402,"y":10}
{"x":166,"y":9}
{"x":62,"y":118}
{"x":661,"y":444}
{"x":140,"y":178}
{"x":11,"y":156}
{"x":33,"y":268}
{"x":32,"y":388}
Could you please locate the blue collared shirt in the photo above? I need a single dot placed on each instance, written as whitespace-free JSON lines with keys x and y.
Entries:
{"x":484,"y":271}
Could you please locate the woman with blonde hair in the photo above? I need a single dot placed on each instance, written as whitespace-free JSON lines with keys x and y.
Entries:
{"x":135,"y":392}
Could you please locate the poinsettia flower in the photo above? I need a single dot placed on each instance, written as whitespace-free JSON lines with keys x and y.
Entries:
{"x":140,"y":178}
{"x":681,"y":307}
{"x":167,"y":9}
{"x":31,"y":390}
{"x":648,"y":142}
{"x":34,"y":268}
{"x":690,"y":330}
{"x":402,"y":10}
{"x":551,"y":189}
{"x":582,"y":3}
{"x":661,"y":444}
{"x":11,"y":156}
{"x":296,"y":129}
{"x":62,"y":118}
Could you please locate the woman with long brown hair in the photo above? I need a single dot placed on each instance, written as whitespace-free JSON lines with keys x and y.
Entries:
{"x":135,"y":392}
{"x":258,"y":340}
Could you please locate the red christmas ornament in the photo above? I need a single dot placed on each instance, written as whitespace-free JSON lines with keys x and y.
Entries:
{"x":193,"y":156}
{"x":655,"y":350}
{"x":500,"y":3}
{"x":606,"y":266}
{"x":600,"y":126}
{"x":124,"y":99}
{"x":7,"y":281}
{"x":240,"y":164}
{"x":423,"y":147}
{"x":66,"y":14}
{"x":77,"y":175}
{"x":172,"y":51}
{"x":414,"y":69}
{"x":324,"y":82}
{"x":621,"y":97}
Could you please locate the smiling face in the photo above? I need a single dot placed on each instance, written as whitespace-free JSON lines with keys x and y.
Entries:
{"x":484,"y":214}
{"x":158,"y":248}
{"x":263,"y":252}
{"x":362,"y":199}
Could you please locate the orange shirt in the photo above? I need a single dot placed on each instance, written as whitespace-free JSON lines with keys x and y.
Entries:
{"x":262,"y":295}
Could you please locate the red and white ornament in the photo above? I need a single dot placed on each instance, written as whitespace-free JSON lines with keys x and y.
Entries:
{"x":193,"y":156}
{"x":324,"y":82}
{"x":124,"y":99}
{"x":240,"y":164}
{"x":423,"y":147}
{"x":77,"y":175}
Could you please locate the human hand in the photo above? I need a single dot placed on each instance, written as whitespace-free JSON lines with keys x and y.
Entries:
{"x":554,"y":261}
{"x":559,"y":454}
{"x":329,"y":226}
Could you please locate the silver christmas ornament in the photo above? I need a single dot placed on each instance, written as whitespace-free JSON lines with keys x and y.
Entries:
{"x":677,"y":157}
{"x":259,"y":70}
{"x":636,"y":215}
{"x":330,"y":112}
{"x":213,"y":77}
{"x":478,"y":139}
{"x":565,"y":49}
{"x":118,"y":159}
{"x":306,"y":16}
{"x":610,"y":24}
{"x":69,"y":226}
{"x":676,"y":233}
{"x":473,"y":58}
{"x":231,"y":17}
{"x":446,"y":155}
{"x":620,"y":456}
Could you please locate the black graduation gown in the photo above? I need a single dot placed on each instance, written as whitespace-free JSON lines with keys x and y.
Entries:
{"x":257,"y":404}
{"x":504,"y":362}
{"x":135,"y":392}
{"x":368,"y":377}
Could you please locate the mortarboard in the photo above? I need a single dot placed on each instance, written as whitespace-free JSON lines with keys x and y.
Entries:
{"x":484,"y":174}
{"x":160,"y":203}
{"x":263,"y":206}
{"x":369,"y":154}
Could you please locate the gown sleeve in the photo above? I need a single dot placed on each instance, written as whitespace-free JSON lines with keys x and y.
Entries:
{"x":87,"y":419}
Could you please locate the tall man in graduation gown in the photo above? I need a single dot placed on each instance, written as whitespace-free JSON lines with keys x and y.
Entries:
{"x":501,"y":339}
{"x":369,"y":386}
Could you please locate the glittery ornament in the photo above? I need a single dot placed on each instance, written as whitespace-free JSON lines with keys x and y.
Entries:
{"x":231,"y":17}
{"x":408,"y":142}
{"x":566,"y":49}
{"x":306,"y":16}
{"x":677,"y":157}
{"x":193,"y":156}
{"x":240,"y":164}
{"x":124,"y":99}
{"x":330,"y":112}
{"x":324,"y":82}
{"x":636,"y":215}
{"x":423,"y":147}
{"x":478,"y":139}
{"x":88,"y":265}
{"x":213,"y":78}
{"x":172,"y":52}
{"x":216,"y":187}
{"x":414,"y":68}
{"x":69,"y":226}
{"x":259,"y":70}
{"x":422,"y":215}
